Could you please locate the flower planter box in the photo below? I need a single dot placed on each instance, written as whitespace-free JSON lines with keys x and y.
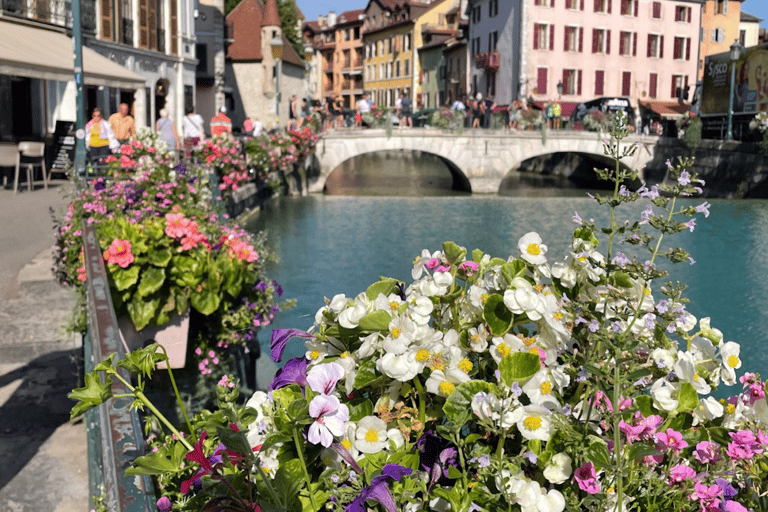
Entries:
{"x":172,"y":335}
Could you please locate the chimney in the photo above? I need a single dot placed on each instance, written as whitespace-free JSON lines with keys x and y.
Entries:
{"x":331,"y":18}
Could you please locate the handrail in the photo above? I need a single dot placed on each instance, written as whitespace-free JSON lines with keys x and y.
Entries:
{"x":117,"y":440}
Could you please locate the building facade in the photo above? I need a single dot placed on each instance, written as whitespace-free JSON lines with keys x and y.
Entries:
{"x":749,"y":29}
{"x":719,"y":28}
{"x":211,"y":90}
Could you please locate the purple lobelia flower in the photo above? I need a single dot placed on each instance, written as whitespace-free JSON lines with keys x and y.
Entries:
{"x":436,"y":455}
{"x":379,"y":489}
{"x":280,"y":337}
{"x":294,"y":372}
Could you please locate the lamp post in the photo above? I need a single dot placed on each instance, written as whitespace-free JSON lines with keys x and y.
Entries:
{"x":735,"y":55}
{"x":309,"y":52}
{"x":277,"y":54}
{"x":559,"y":90}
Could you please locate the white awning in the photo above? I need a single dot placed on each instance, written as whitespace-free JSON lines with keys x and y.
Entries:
{"x":41,"y":53}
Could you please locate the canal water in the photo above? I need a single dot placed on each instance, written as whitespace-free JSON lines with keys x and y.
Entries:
{"x":341,"y":244}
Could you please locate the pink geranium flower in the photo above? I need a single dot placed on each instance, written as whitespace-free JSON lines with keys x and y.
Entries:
{"x":119,"y":253}
{"x":245,"y":252}
{"x":176,"y":225}
{"x":330,"y":416}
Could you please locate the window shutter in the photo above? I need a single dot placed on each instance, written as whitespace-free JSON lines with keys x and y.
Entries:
{"x":594,"y":40}
{"x":689,"y":10}
{"x":622,"y":45}
{"x":174,"y":19}
{"x":566,"y":89}
{"x":607,"y":42}
{"x":634,"y":44}
{"x":152,"y":18}
{"x":143,"y":23}
{"x":624,"y":8}
{"x":725,"y":6}
{"x":609,"y":6}
{"x":541,"y":82}
{"x":599,"y":82}
{"x":536,"y":37}
{"x":713,"y":37}
{"x":674,"y":86}
{"x":636,"y":3}
{"x":578,"y":83}
{"x":551,"y":37}
{"x":661,"y":46}
{"x":565,"y":39}
{"x":597,"y":6}
{"x":657,"y":10}
{"x":581,"y":5}
{"x":106,"y":20}
{"x":552,"y":3}
{"x":650,"y":41}
{"x":581,"y":39}
{"x":626,"y":83}
{"x":687,"y":48}
{"x":652,"y":85}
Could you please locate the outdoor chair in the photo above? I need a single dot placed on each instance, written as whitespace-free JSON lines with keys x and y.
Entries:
{"x":9,"y":157}
{"x":31,"y":155}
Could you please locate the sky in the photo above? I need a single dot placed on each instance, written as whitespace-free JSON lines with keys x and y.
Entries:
{"x":311,"y":8}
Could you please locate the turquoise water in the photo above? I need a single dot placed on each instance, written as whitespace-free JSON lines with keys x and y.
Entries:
{"x":341,"y":244}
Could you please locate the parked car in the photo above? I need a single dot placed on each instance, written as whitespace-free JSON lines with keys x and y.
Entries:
{"x":605,"y":105}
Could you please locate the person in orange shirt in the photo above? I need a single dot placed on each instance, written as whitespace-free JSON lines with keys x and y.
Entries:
{"x":220,"y":123}
{"x":122,"y":124}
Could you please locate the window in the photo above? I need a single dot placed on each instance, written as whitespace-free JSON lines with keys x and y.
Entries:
{"x":603,"y":6}
{"x":493,"y":40}
{"x":626,"y":83}
{"x":601,"y":40}
{"x":599,"y":82}
{"x":683,"y":14}
{"x":543,"y":36}
{"x":627,"y":44}
{"x":390,"y":44}
{"x":718,"y":35}
{"x":541,"y":3}
{"x":476,"y":15}
{"x":476,"y":46}
{"x":493,"y":8}
{"x":682,"y":48}
{"x":721,"y":6}
{"x":656,"y":11}
{"x":653,"y":85}
{"x":357,"y":33}
{"x":397,"y":68}
{"x":407,"y":67}
{"x":743,"y":37}
{"x":572,"y":81}
{"x":407,"y":42}
{"x":679,"y":86}
{"x":655,"y":46}
{"x":629,"y":7}
{"x":490,"y":83}
{"x":541,"y":81}
{"x":574,"y":39}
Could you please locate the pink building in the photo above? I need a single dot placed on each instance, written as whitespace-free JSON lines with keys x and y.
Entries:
{"x":578,"y":50}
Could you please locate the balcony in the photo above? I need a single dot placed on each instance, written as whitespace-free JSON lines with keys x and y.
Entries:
{"x":55,"y":12}
{"x":353,"y":67}
{"x":487,"y":60}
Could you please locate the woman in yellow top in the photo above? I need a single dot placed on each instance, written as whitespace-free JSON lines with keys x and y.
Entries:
{"x":99,"y":139}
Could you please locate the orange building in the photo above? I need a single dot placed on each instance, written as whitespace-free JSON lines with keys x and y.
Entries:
{"x":719,"y":28}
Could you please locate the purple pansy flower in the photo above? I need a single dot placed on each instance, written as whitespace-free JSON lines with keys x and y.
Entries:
{"x":379,"y":489}
{"x":280,"y":337}
{"x":294,"y":372}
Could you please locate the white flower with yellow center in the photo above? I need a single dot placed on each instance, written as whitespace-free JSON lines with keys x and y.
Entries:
{"x":559,"y":468}
{"x":686,"y":371}
{"x":531,"y":249}
{"x":400,"y":336}
{"x":485,"y":406}
{"x":420,"y":309}
{"x":477,"y":297}
{"x":503,"y":346}
{"x":477,"y":340}
{"x":422,"y":260}
{"x":349,"y":317}
{"x":389,"y":303}
{"x":443,"y":382}
{"x":535,"y":423}
{"x":371,"y":435}
{"x":522,"y":297}
{"x":532,"y":498}
{"x":370,"y":344}
{"x":664,"y":395}
{"x":729,"y":354}
{"x":347,"y":361}
{"x":708,"y":409}
{"x":402,"y":367}
{"x":565,"y":273}
{"x":541,"y":389}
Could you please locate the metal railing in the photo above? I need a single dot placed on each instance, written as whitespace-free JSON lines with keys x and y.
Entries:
{"x":55,"y":12}
{"x":114,"y":431}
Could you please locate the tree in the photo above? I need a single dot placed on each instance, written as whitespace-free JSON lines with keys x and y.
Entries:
{"x":289,"y":21}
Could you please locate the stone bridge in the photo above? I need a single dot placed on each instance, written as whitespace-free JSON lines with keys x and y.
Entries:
{"x":483,"y":157}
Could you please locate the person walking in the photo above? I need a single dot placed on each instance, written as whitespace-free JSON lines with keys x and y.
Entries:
{"x":477,"y":110}
{"x":192,"y":130}
{"x":100,"y":141}
{"x":330,"y":112}
{"x":488,"y":105}
{"x":122,"y":124}
{"x":406,"y":110}
{"x":557,"y":111}
{"x":339,"y":107}
{"x":293,"y":113}
{"x":167,"y":130}
{"x":363,"y":108}
{"x":221,"y":124}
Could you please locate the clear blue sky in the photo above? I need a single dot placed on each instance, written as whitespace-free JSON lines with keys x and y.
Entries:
{"x":311,"y":8}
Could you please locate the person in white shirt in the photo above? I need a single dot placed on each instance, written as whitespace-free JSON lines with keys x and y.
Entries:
{"x":192,"y":130}
{"x":363,"y":107}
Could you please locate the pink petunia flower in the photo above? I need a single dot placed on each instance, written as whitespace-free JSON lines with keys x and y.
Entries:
{"x":119,"y":253}
{"x":681,"y":472}
{"x":586,"y":477}
{"x":707,"y":452}
{"x":672,"y":440}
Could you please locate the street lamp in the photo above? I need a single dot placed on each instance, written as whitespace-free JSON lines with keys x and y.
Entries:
{"x":277,"y":54}
{"x":309,"y":52}
{"x":559,"y":89}
{"x":736,"y":49}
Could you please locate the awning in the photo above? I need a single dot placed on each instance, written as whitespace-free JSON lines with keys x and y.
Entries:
{"x":566,"y":107}
{"x":666,"y":109}
{"x":40,"y":53}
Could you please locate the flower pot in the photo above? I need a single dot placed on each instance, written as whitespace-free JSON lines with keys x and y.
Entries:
{"x":172,"y":335}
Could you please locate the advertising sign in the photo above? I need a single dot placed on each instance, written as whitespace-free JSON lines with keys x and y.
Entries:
{"x":750,"y":92}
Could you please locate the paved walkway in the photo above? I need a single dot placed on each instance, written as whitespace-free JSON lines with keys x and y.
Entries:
{"x":45,"y":466}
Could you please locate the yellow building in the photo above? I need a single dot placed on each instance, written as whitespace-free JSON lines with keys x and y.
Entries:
{"x":391,"y":38}
{"x":720,"y":28}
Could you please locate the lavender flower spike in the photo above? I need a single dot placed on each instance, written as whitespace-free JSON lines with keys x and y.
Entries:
{"x":280,"y":337}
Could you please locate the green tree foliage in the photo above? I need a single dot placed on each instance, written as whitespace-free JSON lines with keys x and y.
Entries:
{"x":289,"y":21}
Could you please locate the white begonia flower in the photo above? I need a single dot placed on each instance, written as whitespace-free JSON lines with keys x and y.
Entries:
{"x":348,"y":362}
{"x":662,"y":392}
{"x":371,"y":435}
{"x":687,"y":322}
{"x":395,"y":436}
{"x":508,"y":483}
{"x":258,"y":428}
{"x":443,"y":279}
{"x":426,"y":287}
{"x":565,"y":273}
{"x":338,"y":303}
{"x":760,"y":410}
{"x":511,"y":412}
{"x":531,"y":249}
{"x":664,"y":358}
{"x":685,"y":369}
{"x":532,"y":498}
{"x":400,"y":336}
{"x":349,"y":318}
{"x":707,"y":410}
{"x":318,"y":350}
{"x":729,"y":354}
{"x":734,"y":414}
{"x":485,"y":406}
{"x":559,"y":468}
{"x":370,"y":344}
{"x":712,"y":334}
{"x":477,"y":340}
{"x":402,"y":367}
{"x":524,"y":298}
{"x":541,"y":390}
{"x":443,"y":382}
{"x":478,"y":295}
{"x":421,"y":261}
{"x":503,"y":346}
{"x":390,"y":303}
{"x":535,"y":423}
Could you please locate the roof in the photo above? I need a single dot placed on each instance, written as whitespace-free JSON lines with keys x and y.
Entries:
{"x":666,"y":109}
{"x":246,"y":19}
{"x":270,"y":17}
{"x":347,"y":16}
{"x":750,"y":18}
{"x":314,"y":26}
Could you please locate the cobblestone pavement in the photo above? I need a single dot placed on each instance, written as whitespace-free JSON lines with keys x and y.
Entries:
{"x":45,"y":464}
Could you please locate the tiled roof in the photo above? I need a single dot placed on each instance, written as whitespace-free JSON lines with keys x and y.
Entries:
{"x":348,"y":16}
{"x":270,"y":17}
{"x":750,"y":18}
{"x":246,"y":20}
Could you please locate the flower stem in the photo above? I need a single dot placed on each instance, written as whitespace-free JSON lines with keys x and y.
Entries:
{"x":300,"y":452}
{"x":178,"y":395}
{"x":422,"y":400}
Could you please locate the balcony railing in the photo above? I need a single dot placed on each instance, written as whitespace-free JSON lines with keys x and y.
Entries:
{"x":55,"y":12}
{"x":487,"y":60}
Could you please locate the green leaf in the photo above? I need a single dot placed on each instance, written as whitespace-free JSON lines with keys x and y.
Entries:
{"x":359,"y":408}
{"x":142,"y":361}
{"x":597,"y":452}
{"x":124,"y":278}
{"x":151,"y":281}
{"x":366,"y":373}
{"x":477,"y":255}
{"x":92,"y":394}
{"x":639,"y":450}
{"x":496,"y":315}
{"x":513,"y":269}
{"x":159,"y":257}
{"x":458,"y":406}
{"x":681,"y":423}
{"x":376,"y":321}
{"x":453,"y":252}
{"x":385,"y":286}
{"x":235,"y":441}
{"x":519,"y":367}
{"x":587,"y":235}
{"x":688,"y":398}
{"x":620,"y":280}
{"x":645,"y":405}
{"x":207,"y":300}
{"x":288,"y":482}
{"x":298,"y":409}
{"x":142,"y":311}
{"x":105,"y":364}
{"x":159,"y":462}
